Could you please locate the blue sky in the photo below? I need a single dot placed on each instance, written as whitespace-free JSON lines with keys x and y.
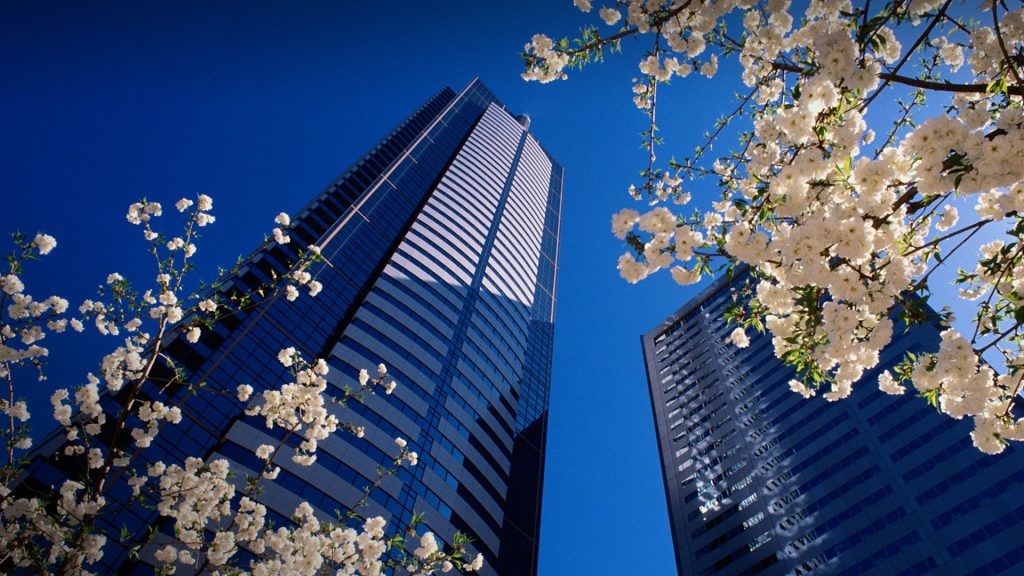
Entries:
{"x":262,"y":104}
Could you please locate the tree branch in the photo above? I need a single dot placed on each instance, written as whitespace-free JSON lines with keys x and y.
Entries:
{"x":917,"y":82}
{"x":908,"y":54}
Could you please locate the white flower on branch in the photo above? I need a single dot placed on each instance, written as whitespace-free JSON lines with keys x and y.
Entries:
{"x":839,"y":237}
{"x":45,"y":243}
{"x":948,"y":220}
{"x":12,"y":284}
{"x":428,"y":546}
{"x":739,"y":338}
{"x":610,"y":16}
{"x":623,"y":222}
{"x":244,"y":391}
{"x":211,"y":519}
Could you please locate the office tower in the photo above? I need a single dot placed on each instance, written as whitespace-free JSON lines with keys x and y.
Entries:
{"x":760,"y":480}
{"x":441,"y":256}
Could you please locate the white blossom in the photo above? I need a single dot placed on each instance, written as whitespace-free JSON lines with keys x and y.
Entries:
{"x":476,"y":564}
{"x":428,"y":546}
{"x":623,"y":222}
{"x":45,"y":243}
{"x":610,"y":16}
{"x":949,"y":218}
{"x":887,"y":384}
{"x":800,"y":388}
{"x":243,"y":392}
{"x":12,"y":284}
{"x":739,"y":338}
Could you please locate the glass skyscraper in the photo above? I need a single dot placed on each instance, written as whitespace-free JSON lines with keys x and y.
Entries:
{"x":441,"y":257}
{"x":762,"y":481}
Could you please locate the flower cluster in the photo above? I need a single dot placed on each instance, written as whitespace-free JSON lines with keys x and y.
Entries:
{"x":212,"y":513}
{"x":27,"y":321}
{"x":549,"y":63}
{"x":432,"y":559}
{"x":841,"y":239}
{"x":301,"y":407}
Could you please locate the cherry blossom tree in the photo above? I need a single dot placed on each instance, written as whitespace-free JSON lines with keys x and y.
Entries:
{"x":211,"y":513}
{"x":841,"y":212}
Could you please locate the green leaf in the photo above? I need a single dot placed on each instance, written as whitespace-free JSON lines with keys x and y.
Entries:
{"x":932,"y":397}
{"x":997,"y":86}
{"x":846,"y":168}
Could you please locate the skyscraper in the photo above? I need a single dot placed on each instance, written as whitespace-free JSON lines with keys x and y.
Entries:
{"x":762,"y":481}
{"x":441,"y":256}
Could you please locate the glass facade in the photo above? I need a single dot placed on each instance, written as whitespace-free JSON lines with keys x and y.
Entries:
{"x":762,"y":481}
{"x":441,"y":257}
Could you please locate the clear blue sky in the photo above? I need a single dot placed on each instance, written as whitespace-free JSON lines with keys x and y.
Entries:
{"x":261,"y":104}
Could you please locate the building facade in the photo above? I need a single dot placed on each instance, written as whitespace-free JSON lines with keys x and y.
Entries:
{"x":760,"y":480}
{"x":440,"y":250}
